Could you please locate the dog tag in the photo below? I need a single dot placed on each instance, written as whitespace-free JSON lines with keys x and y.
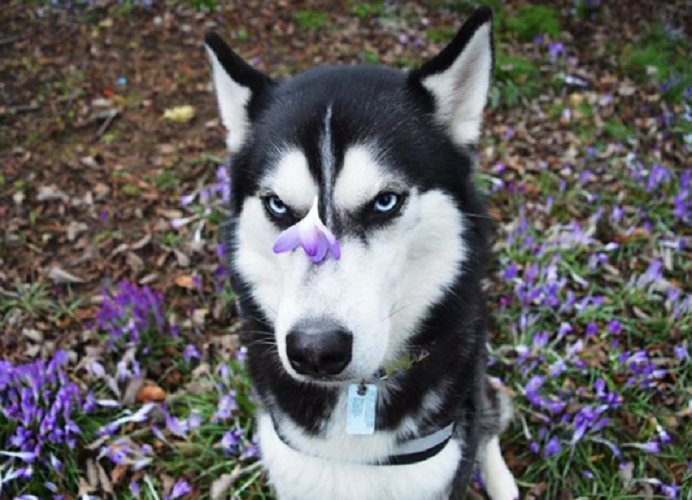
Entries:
{"x":362,"y":405}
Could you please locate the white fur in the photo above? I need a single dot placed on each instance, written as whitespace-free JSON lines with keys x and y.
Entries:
{"x":362,"y":178}
{"x":380,"y":291}
{"x":499,"y":482}
{"x":233,"y":99}
{"x":461,"y":91}
{"x":334,"y":443}
{"x":291,"y":181}
{"x":297,"y":476}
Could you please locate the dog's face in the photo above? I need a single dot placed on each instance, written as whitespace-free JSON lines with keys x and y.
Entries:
{"x":384,"y":155}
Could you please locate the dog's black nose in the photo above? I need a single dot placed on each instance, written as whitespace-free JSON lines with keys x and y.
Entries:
{"x":319,"y":348}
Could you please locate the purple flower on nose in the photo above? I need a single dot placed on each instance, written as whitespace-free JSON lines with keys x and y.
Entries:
{"x":311,"y":234}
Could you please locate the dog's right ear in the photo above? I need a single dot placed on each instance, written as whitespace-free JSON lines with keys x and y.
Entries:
{"x":239,"y":89}
{"x":458,"y":78}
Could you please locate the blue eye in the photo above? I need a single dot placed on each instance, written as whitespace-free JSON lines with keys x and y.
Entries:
{"x":275,"y":206}
{"x":386,"y":203}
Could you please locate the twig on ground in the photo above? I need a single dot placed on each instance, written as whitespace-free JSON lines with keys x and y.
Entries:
{"x":106,"y":124}
{"x":11,"y":39}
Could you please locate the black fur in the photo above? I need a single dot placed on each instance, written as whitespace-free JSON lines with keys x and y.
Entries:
{"x":393,"y":109}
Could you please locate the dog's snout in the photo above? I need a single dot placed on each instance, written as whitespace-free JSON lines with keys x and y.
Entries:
{"x":319,"y":348}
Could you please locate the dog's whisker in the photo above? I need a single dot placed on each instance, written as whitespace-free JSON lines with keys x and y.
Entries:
{"x":396,"y":311}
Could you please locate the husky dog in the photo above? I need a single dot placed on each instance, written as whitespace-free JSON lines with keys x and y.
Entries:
{"x":357,"y":245}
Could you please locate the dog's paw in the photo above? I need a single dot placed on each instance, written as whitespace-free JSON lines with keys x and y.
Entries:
{"x":499,"y":481}
{"x":502,"y":486}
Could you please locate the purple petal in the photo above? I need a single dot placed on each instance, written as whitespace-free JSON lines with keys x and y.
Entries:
{"x":288,"y":240}
{"x":309,"y":237}
{"x":134,"y":488}
{"x":173,"y":425}
{"x":180,"y":489}
{"x":188,"y":199}
{"x":336,"y":250}
{"x":321,"y":250}
{"x":334,"y":246}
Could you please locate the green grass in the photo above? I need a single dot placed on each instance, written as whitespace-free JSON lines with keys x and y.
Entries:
{"x":633,"y":421}
{"x":514,"y":81}
{"x":363,"y":10}
{"x":534,"y":20}
{"x":37,"y":301}
{"x":587,"y":10}
{"x":663,"y":58}
{"x":369,"y":57}
{"x":440,"y":36}
{"x":615,"y":129}
{"x":166,"y":179}
{"x":310,"y":19}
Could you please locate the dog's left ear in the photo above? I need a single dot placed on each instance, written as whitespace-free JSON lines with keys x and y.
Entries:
{"x":459,"y":78}
{"x":240,"y":89}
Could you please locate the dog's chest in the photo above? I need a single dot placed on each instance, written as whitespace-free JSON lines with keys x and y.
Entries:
{"x":297,"y":476}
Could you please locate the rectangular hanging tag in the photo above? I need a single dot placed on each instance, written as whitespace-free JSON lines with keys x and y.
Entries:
{"x":362,"y":406}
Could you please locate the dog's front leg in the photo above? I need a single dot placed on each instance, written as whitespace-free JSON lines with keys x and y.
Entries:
{"x":499,"y":481}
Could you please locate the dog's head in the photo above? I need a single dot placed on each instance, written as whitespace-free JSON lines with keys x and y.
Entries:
{"x":383,"y":157}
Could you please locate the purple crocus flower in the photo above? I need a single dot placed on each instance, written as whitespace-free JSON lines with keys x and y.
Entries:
{"x":650,"y":447}
{"x":180,"y":489}
{"x":670,"y":491}
{"x":134,"y":489}
{"x":230,"y":443}
{"x":591,"y":329}
{"x":555,"y":50}
{"x":174,"y":425}
{"x":223,"y":184}
{"x":311,"y":234}
{"x":226,"y":406}
{"x":615,"y":327}
{"x":681,"y":352}
{"x":552,"y":447}
{"x":38,"y":402}
{"x":251,"y":451}
{"x":191,"y":352}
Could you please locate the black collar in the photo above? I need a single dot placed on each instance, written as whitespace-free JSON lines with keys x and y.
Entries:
{"x":409,"y":452}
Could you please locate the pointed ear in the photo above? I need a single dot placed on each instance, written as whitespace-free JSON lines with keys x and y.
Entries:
{"x":458,"y":78}
{"x":240,"y":89}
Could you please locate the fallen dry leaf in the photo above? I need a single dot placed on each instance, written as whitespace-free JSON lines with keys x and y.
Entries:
{"x":180,"y":114}
{"x":222,"y":485}
{"x":151,"y":393}
{"x":61,"y":276}
{"x":185,"y":281}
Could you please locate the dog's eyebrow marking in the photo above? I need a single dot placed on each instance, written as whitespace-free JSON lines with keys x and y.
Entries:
{"x":361,"y":178}
{"x":327,"y":154}
{"x":291,"y":180}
